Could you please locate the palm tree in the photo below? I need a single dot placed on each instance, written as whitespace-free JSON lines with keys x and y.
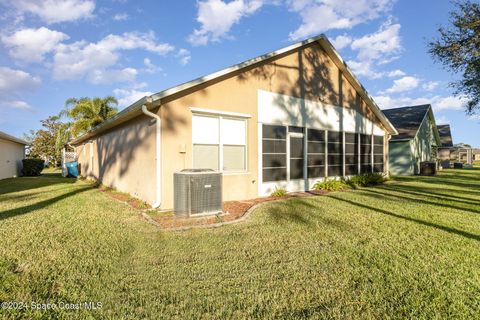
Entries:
{"x":86,"y":113}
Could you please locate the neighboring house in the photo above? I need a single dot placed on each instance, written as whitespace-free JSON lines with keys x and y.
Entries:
{"x":286,"y":118}
{"x":476,"y":154}
{"x":417,"y":138}
{"x":446,"y":147}
{"x":12,"y":152}
{"x":462,"y":152}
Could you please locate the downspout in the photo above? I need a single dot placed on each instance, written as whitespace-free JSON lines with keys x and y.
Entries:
{"x":158,"y":172}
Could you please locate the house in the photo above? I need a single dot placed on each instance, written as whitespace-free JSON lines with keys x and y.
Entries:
{"x":12,"y":152}
{"x":286,"y":118}
{"x":463,"y":153}
{"x":417,"y":139}
{"x":476,"y":154}
{"x":446,"y":147}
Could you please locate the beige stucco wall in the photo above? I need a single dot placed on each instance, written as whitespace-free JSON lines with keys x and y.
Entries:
{"x":123,"y":158}
{"x":11,"y":155}
{"x":127,"y":153}
{"x":307,"y":74}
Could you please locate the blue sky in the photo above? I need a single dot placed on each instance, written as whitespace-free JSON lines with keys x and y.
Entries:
{"x":51,"y":50}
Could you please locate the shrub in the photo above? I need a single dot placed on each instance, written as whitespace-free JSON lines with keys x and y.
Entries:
{"x":278,"y":192}
{"x":367,"y":180}
{"x":330,"y":185}
{"x":32,"y":167}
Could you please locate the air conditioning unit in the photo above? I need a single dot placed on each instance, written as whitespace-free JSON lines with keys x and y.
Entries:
{"x":197,"y":191}
{"x":428,"y":168}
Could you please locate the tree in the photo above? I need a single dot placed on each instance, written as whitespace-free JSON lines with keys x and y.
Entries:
{"x":458,"y":49}
{"x":43,"y":142}
{"x":86,"y":113}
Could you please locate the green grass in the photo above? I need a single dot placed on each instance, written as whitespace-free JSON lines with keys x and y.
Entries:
{"x":406,"y":249}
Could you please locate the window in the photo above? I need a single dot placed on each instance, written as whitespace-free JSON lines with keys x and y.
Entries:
{"x":274,"y":153}
{"x":365,"y":153}
{"x":219,"y":142}
{"x":351,"y":153}
{"x":316,"y":153}
{"x":335,"y":153}
{"x":378,"y":153}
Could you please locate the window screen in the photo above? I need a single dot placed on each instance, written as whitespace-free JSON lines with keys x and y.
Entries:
{"x":274,"y":153}
{"x":378,"y":165}
{"x":365,"y":153}
{"x":351,"y":153}
{"x":335,"y":153}
{"x":316,"y":153}
{"x":296,"y":158}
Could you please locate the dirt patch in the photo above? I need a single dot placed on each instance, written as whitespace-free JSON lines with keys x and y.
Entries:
{"x":232,"y":210}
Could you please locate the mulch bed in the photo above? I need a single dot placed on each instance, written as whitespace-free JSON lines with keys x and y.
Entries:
{"x":232,"y":210}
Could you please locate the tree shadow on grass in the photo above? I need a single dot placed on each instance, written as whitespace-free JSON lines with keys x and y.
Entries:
{"x":302,"y":211}
{"x":443,"y":180}
{"x":429,"y":192}
{"x":27,"y":183}
{"x":422,"y":222}
{"x":40,"y":205}
{"x":424,"y":201}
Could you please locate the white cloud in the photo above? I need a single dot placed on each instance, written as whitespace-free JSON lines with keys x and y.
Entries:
{"x":83,"y":59}
{"x":128,"y":96}
{"x":101,"y":76}
{"x":378,"y":45}
{"x":12,"y":80}
{"x":396,"y":73}
{"x":341,"y":41}
{"x":18,"y":104}
{"x":31,"y":45}
{"x":430,"y":86}
{"x":474,"y":117}
{"x":403,"y":84}
{"x":442,"y":120}
{"x":150,"y":67}
{"x":120,"y":17}
{"x":54,"y":11}
{"x":375,"y":49}
{"x":217,"y":17}
{"x":323,"y":15}
{"x":184,"y":56}
{"x":14,"y":83}
{"x":364,"y":68}
{"x":439,"y":103}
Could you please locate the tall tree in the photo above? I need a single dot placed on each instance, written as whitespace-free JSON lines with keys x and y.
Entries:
{"x":458,"y":49}
{"x":43,"y":142}
{"x":86,"y":113}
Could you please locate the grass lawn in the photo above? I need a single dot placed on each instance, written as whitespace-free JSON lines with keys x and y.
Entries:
{"x":408,"y":249}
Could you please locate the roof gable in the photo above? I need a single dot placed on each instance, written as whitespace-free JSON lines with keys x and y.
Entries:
{"x":445,"y":135}
{"x":407,"y":120}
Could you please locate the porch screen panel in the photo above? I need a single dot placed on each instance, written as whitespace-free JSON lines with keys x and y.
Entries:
{"x":316,"y":153}
{"x":378,"y":165}
{"x":365,"y":153}
{"x":274,"y":153}
{"x":335,"y":154}
{"x":351,"y":153}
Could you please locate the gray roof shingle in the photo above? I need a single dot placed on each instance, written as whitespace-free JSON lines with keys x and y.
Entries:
{"x":445,"y":135}
{"x":406,"y":120}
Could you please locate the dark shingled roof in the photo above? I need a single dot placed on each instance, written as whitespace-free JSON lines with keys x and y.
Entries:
{"x":406,"y":120}
{"x":445,"y":135}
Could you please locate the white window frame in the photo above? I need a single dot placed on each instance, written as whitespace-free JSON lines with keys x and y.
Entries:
{"x":221,"y":116}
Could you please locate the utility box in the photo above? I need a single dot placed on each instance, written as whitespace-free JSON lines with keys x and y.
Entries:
{"x":428,"y":168}
{"x":197,"y":191}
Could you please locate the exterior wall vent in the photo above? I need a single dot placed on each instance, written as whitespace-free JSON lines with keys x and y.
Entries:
{"x":197,"y":191}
